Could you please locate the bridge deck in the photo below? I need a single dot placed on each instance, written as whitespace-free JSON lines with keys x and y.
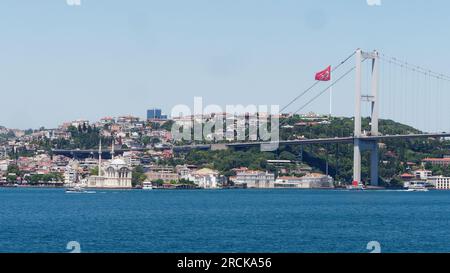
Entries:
{"x":347,"y":140}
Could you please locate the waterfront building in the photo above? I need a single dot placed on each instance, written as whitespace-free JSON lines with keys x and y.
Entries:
{"x":70,"y":176}
{"x":440,"y":182}
{"x":309,"y":181}
{"x":205,"y":178}
{"x":254,"y":179}
{"x":3,"y":170}
{"x":164,"y":173}
{"x":71,"y":173}
{"x":164,"y":176}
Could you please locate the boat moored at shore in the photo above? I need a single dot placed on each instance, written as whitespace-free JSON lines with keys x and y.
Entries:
{"x":416,"y":186}
{"x":78,"y":189}
{"x":356,"y":186}
{"x":147,"y":186}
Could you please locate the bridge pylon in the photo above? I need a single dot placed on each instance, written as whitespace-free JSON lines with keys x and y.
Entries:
{"x":360,"y":143}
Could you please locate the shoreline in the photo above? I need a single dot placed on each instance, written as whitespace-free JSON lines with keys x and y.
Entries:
{"x":193,"y":189}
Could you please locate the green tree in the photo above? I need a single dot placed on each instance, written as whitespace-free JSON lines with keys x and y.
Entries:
{"x":145,"y":140}
{"x":11,"y":178}
{"x":158,"y":182}
{"x":138,"y":176}
{"x":167,"y":125}
{"x":13,"y":169}
{"x":94,"y":171}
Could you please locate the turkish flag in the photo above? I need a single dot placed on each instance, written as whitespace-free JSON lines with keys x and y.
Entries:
{"x":324,"y":75}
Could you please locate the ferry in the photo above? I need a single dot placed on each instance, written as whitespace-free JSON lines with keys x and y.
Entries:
{"x":147,"y":186}
{"x":356,"y":186}
{"x":416,"y":186}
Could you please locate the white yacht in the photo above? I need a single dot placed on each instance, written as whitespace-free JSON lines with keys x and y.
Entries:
{"x":416,"y":186}
{"x":147,"y":185}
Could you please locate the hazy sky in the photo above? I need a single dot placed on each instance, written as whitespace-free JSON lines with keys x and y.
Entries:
{"x":111,"y":57}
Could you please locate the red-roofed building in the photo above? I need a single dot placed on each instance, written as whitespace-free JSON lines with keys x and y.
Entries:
{"x":407,"y":177}
{"x":445,"y":162}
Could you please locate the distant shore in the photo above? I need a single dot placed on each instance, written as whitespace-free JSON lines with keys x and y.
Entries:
{"x":369,"y":188}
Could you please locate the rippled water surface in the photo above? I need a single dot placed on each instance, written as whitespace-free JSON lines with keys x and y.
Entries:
{"x":45,"y":220}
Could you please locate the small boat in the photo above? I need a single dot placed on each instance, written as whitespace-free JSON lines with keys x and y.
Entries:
{"x":356,"y":186}
{"x":78,"y":189}
{"x":147,"y":186}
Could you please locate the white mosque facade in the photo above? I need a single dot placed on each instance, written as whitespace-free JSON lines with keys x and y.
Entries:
{"x":114,"y":174}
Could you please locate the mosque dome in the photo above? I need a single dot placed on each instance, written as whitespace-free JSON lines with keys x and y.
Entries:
{"x":118,"y":161}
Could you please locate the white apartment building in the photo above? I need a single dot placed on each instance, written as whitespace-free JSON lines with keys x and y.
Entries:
{"x":70,"y":176}
{"x":4,"y":165}
{"x":423,"y":174}
{"x":440,"y":182}
{"x":80,"y":122}
{"x":183,"y":171}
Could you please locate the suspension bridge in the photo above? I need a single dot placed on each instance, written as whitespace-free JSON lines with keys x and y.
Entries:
{"x":416,"y":83}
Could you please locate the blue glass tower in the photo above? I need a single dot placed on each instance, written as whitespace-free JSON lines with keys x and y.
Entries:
{"x":154,"y":114}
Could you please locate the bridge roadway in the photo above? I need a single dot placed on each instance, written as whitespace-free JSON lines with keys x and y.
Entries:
{"x":84,"y":153}
{"x":347,"y":140}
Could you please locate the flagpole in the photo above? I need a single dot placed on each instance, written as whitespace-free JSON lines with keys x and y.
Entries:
{"x":331,"y":95}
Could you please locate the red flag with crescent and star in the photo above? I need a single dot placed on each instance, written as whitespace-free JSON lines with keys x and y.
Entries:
{"x":324,"y":75}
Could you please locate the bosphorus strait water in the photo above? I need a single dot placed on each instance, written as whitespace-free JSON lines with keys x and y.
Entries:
{"x":45,"y":220}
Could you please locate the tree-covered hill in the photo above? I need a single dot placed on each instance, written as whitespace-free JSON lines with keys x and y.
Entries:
{"x":394,"y":154}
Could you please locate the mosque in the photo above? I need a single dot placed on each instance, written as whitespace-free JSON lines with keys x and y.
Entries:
{"x":114,"y":174}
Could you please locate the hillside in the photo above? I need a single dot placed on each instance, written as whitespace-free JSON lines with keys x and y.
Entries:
{"x":394,"y":154}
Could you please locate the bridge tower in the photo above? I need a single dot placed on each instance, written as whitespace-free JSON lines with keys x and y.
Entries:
{"x":360,"y":143}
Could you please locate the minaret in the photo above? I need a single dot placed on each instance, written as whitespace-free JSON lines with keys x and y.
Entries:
{"x":100,"y":158}
{"x":112,"y":148}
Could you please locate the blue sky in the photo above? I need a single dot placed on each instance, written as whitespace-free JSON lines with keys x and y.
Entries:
{"x":113,"y":57}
